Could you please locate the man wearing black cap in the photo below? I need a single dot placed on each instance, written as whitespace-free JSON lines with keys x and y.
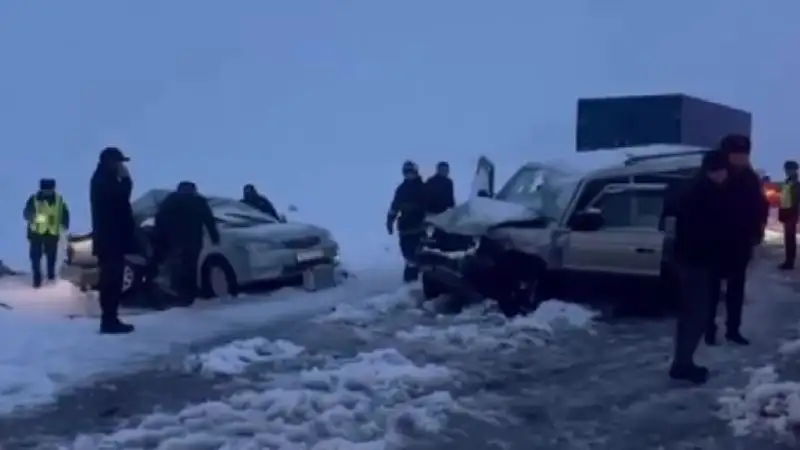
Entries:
{"x":178,"y":236}
{"x":749,"y":209}
{"x":113,"y":233}
{"x":788,"y":213}
{"x":701,"y":242}
{"x":46,"y":214}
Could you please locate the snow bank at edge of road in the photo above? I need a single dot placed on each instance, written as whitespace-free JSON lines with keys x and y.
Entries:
{"x":371,"y":401}
{"x":42,"y":356}
{"x":766,"y":405}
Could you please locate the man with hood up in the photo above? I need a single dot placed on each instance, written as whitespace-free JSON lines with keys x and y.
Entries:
{"x":441,"y":195}
{"x":178,"y":235}
{"x":46,"y":214}
{"x":252,"y":198}
{"x":113,"y":233}
{"x":407,"y":211}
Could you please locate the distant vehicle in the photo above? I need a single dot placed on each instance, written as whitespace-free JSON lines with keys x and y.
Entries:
{"x":254,"y":247}
{"x":550,"y":228}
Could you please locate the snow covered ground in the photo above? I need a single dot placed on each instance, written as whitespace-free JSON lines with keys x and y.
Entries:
{"x":44,"y":353}
{"x":384,"y":373}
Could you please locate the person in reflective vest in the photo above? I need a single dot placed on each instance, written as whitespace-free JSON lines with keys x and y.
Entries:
{"x":788,"y":213}
{"x":46,"y":214}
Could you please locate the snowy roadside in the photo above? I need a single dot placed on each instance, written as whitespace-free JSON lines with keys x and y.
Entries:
{"x":44,"y":355}
{"x":386,"y":374}
{"x":356,"y":378}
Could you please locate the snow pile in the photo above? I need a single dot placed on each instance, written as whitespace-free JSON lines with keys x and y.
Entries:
{"x":372,"y":401}
{"x":475,"y":329}
{"x":765,"y":406}
{"x":44,"y":354}
{"x":234,"y":358}
{"x":366,"y":312}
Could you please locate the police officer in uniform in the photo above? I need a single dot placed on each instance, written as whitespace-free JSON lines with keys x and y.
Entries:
{"x":788,"y":213}
{"x":46,"y":214}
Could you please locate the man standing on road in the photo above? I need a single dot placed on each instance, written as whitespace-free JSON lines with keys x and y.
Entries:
{"x":749,"y":211}
{"x":47,"y":214}
{"x":407,"y":212}
{"x":113,"y":233}
{"x":701,"y":242}
{"x":788,"y":213}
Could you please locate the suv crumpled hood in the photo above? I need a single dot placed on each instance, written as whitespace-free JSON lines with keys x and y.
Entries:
{"x":475,"y":217}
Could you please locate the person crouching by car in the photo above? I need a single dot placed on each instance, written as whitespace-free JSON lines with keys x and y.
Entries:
{"x":788,"y":213}
{"x":252,"y":198}
{"x":46,"y":214}
{"x":178,"y":238}
{"x":407,"y":211}
{"x":701,"y":245}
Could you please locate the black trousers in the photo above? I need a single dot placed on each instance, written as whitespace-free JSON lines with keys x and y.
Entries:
{"x":181,"y":265}
{"x":735,"y":280}
{"x":47,"y":246}
{"x":409,"y":245}
{"x":112,"y":269}
{"x":697,"y":287}
{"x":790,"y":241}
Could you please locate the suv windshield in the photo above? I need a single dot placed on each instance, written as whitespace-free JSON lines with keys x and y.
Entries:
{"x":544,"y":189}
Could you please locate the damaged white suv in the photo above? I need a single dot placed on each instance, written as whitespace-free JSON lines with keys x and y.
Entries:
{"x":547,"y":229}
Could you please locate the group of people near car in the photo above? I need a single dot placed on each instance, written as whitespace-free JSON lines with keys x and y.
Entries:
{"x":716,"y":222}
{"x":181,"y":220}
{"x":719,"y":219}
{"x":413,"y":200}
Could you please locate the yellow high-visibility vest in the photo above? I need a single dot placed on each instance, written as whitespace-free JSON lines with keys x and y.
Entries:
{"x":47,"y":217}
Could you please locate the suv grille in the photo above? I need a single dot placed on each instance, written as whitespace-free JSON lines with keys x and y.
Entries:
{"x":302,"y":243}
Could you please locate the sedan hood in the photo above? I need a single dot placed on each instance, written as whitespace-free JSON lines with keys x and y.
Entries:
{"x":274,"y":231}
{"x":475,"y":217}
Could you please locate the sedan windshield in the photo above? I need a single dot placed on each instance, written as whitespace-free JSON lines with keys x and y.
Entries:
{"x":544,"y":189}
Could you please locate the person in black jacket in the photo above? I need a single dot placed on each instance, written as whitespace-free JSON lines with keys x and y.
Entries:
{"x":788,"y":213}
{"x":252,"y":198}
{"x":407,"y":211}
{"x":178,"y":233}
{"x":113,"y":233}
{"x":441,"y":195}
{"x":702,"y":240}
{"x":46,"y":214}
{"x":750,"y":210}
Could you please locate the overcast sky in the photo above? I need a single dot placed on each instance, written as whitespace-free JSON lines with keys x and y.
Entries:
{"x":269,"y":91}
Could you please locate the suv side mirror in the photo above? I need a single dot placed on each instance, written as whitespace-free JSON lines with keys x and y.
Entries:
{"x":587,"y":220}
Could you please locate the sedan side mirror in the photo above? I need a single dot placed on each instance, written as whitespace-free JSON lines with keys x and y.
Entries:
{"x":587,"y":220}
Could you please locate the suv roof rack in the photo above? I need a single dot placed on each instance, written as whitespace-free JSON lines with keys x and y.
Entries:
{"x":631,"y":160}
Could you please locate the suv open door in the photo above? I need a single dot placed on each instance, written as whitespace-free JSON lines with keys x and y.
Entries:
{"x":483,"y":181}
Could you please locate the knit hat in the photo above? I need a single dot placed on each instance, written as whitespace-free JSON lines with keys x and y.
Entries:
{"x":735,"y":143}
{"x":714,"y":160}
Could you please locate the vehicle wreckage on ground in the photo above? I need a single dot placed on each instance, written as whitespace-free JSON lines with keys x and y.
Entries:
{"x":254,"y":247}
{"x":549,"y":232}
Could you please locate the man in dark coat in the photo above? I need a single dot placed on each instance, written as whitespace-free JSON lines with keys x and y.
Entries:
{"x":178,"y":236}
{"x":407,"y":211}
{"x":788,"y":213}
{"x":252,"y":198}
{"x":441,"y":195}
{"x":46,"y":214}
{"x":702,"y":238}
{"x":440,"y":198}
{"x":745,"y":196}
{"x":113,"y":233}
